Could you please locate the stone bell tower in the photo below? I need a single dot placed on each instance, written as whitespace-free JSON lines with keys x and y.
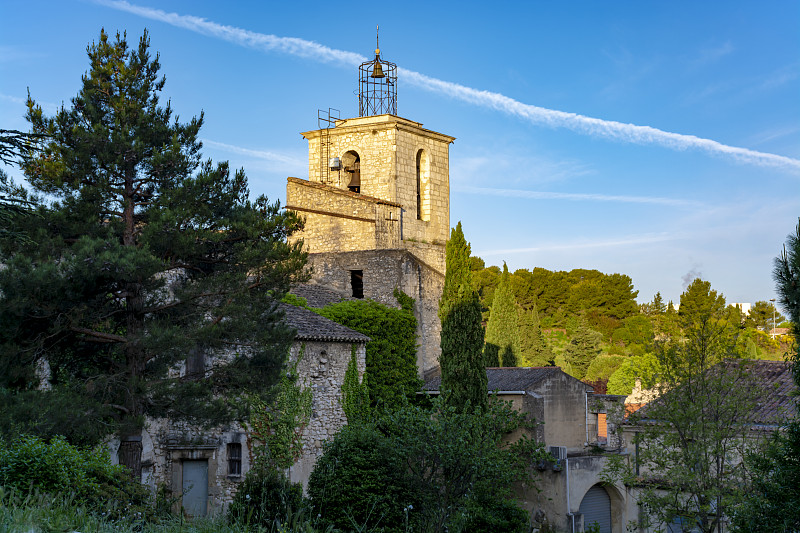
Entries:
{"x":377,"y":204}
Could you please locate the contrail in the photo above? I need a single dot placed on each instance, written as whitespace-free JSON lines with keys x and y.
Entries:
{"x":595,"y":127}
{"x":543,"y":195}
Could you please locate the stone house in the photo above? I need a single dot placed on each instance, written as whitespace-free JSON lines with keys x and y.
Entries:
{"x":570,"y":490}
{"x":201,"y":468}
{"x":775,"y":403}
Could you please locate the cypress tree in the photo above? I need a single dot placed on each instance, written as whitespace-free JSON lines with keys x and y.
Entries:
{"x":582,"y":349}
{"x":502,"y":330}
{"x":464,"y":379}
{"x":534,"y":349}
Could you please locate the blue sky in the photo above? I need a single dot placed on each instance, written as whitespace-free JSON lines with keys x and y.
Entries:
{"x":659,"y":140}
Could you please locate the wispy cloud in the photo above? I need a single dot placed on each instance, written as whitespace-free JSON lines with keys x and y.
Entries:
{"x":543,"y":195}
{"x":633,"y":240}
{"x":47,"y":106}
{"x":595,"y":127}
{"x":258,"y":154}
{"x":714,"y":53}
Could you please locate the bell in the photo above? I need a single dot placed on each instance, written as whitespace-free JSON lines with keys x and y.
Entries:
{"x":377,"y":72}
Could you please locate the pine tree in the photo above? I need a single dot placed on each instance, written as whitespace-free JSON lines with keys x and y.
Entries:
{"x":146,"y":260}
{"x":502,"y":330}
{"x":464,"y":380}
{"x":583,"y":347}
{"x":534,"y":349}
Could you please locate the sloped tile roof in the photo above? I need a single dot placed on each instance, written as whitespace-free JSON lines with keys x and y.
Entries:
{"x":776,"y":400}
{"x":505,"y":378}
{"x":317,"y":295}
{"x":312,"y":327}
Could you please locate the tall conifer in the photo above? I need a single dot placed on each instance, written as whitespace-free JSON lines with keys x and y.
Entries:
{"x":147,"y":260}
{"x":463,"y":373}
{"x":534,"y":350}
{"x":502,"y":330}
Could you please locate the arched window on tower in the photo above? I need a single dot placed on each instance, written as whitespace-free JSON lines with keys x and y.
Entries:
{"x":351,"y":162}
{"x":423,"y":186}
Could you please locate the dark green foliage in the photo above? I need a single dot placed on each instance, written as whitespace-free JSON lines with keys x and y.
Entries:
{"x":455,"y":459}
{"x":63,"y":411}
{"x":604,"y":299}
{"x":502,"y":331}
{"x":690,"y":438}
{"x":491,"y":355}
{"x":265,"y":496}
{"x":464,"y":381}
{"x":60,"y":469}
{"x":772,"y":503}
{"x":496,"y":516}
{"x":431,"y":470}
{"x":534,"y":349}
{"x":143,"y":257}
{"x":361,"y":480}
{"x":787,"y":278}
{"x":458,"y":275}
{"x":583,"y":347}
{"x":392,"y":352}
{"x":355,"y":393}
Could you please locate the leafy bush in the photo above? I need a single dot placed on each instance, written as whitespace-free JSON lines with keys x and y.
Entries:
{"x":58,"y":468}
{"x":360,"y":482}
{"x":265,"y":497}
{"x":392,"y":352}
{"x":425,"y":469}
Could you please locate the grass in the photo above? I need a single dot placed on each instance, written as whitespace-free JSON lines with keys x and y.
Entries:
{"x":42,"y":513}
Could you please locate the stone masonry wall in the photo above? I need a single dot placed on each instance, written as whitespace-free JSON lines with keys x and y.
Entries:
{"x":340,"y":220}
{"x":322,"y":367}
{"x":387,"y":147}
{"x":383,"y":271}
{"x":166,"y":444}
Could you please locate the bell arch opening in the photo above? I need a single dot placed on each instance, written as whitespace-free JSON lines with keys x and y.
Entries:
{"x":423,"y":186}
{"x":351,"y":163}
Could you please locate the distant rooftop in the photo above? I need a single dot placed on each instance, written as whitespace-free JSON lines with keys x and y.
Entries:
{"x":504,"y":379}
{"x":777,"y":401}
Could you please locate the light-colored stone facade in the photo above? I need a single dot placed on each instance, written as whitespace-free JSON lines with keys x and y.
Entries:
{"x":398,"y":160}
{"x":322,"y":368}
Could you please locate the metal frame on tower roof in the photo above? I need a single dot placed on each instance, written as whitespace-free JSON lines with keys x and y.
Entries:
{"x":377,"y":86}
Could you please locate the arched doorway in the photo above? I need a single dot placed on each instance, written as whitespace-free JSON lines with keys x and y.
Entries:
{"x":596,"y":508}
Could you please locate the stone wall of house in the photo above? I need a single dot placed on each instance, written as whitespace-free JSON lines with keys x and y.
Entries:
{"x":322,"y":367}
{"x":383,"y":271}
{"x":166,"y":444}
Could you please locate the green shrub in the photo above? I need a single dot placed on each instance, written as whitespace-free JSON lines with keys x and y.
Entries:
{"x":265,"y":497}
{"x":30,"y":464}
{"x":392,"y":353}
{"x":495,"y":516}
{"x":359,"y":482}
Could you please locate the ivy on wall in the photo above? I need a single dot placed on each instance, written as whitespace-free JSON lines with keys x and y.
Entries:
{"x":391,"y":352}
